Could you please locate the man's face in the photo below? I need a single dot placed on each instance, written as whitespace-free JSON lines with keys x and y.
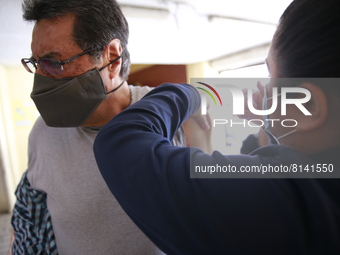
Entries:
{"x":53,"y":39}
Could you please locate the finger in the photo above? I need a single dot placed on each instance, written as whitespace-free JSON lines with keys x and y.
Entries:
{"x":202,"y":120}
{"x":260,"y":87}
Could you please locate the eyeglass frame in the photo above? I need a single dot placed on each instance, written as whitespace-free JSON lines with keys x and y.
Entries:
{"x":35,"y":63}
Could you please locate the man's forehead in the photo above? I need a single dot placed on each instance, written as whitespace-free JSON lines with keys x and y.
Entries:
{"x":58,"y":26}
{"x":52,"y":38}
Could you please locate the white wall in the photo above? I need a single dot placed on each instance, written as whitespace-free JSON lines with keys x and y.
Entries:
{"x":17,"y":116}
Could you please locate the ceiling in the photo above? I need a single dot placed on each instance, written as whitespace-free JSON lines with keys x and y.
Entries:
{"x":167,"y":31}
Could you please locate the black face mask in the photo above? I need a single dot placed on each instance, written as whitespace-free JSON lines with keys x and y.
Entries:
{"x":69,"y":102}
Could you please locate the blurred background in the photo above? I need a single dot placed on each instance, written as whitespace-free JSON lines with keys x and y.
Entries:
{"x":170,"y":41}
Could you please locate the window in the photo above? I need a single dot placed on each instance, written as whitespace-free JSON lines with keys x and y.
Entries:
{"x":256,"y":71}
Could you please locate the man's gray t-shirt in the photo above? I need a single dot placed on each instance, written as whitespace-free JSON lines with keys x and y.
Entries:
{"x":86,"y":217}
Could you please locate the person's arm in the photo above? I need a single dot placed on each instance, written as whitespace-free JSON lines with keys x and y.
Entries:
{"x":31,"y":222}
{"x":196,"y":136}
{"x":151,"y":180}
{"x":129,"y":148}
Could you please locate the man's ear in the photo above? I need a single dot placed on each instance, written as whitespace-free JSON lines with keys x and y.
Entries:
{"x":114,"y":51}
{"x":317,"y":106}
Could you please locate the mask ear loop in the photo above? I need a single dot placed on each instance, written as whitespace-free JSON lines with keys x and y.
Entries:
{"x":277,"y":139}
{"x":115,"y":88}
{"x":112,"y":61}
{"x":265,"y":128}
{"x":107,"y":66}
{"x":289,"y":133}
{"x":271,"y":135}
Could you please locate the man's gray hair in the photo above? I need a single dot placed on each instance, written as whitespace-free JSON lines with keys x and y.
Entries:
{"x":97,"y":23}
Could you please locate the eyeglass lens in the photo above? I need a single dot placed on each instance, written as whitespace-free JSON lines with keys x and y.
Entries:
{"x":51,"y":66}
{"x":48,"y":65}
{"x":29,"y":66}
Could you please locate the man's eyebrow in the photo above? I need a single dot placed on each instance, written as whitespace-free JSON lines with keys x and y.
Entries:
{"x":51,"y":54}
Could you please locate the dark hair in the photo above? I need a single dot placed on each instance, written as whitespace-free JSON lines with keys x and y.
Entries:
{"x":306,"y":43}
{"x":97,"y":22}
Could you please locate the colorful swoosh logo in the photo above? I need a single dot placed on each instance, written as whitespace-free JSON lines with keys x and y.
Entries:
{"x":209,"y":93}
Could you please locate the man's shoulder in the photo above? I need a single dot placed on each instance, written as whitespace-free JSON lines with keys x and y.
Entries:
{"x":138,"y":92}
{"x":43,"y":134}
{"x":39,"y":123}
{"x":39,"y":129}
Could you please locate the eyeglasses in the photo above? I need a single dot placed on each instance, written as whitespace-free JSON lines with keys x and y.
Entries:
{"x":51,"y":66}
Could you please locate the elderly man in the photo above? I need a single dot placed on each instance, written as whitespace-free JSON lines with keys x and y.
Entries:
{"x":80,"y":63}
